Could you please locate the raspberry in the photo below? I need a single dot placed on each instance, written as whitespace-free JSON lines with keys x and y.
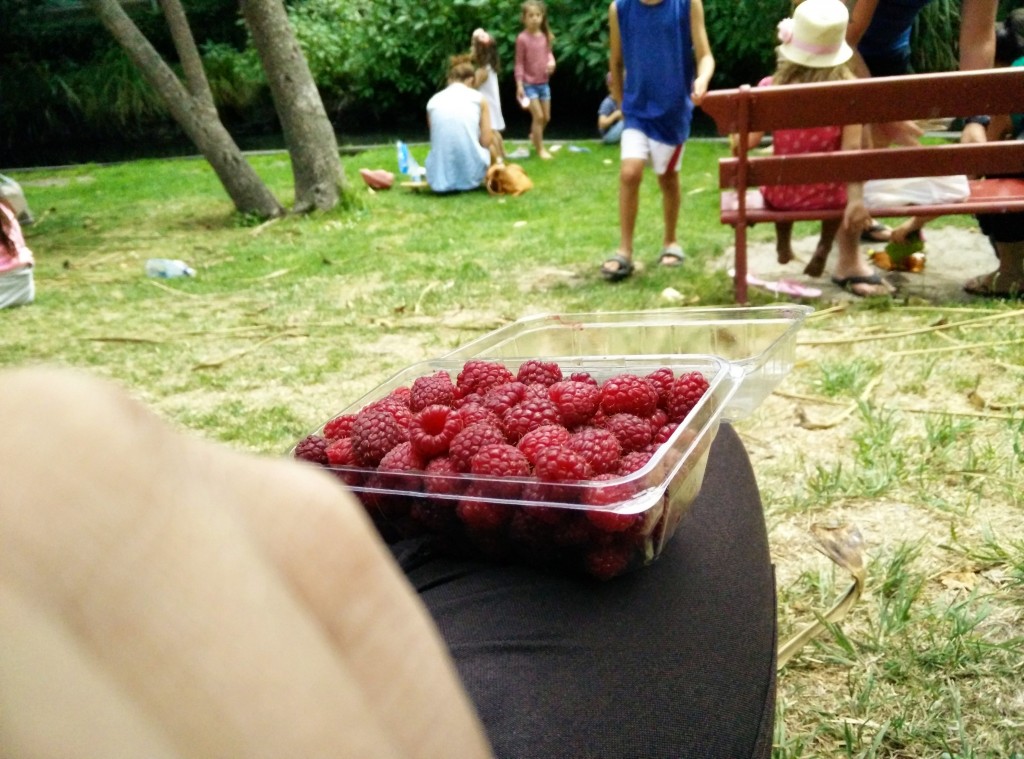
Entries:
{"x":442,"y":477}
{"x":500,"y":399}
{"x":662,"y":380}
{"x":397,"y":406}
{"x":339,"y":427}
{"x":401,"y":458}
{"x":607,"y":562}
{"x":474,"y":411}
{"x":576,"y":401}
{"x":474,"y":437}
{"x":545,"y":436}
{"x":633,"y":461}
{"x":374,"y":433}
{"x":500,"y":460}
{"x":629,"y":394}
{"x":663,"y":433}
{"x":684,"y":394}
{"x":600,"y":448}
{"x":583,"y":377}
{"x":632,"y":432}
{"x":312,"y":448}
{"x":432,"y":430}
{"x":658,"y":419}
{"x":434,"y":389}
{"x":480,"y":376}
{"x":539,"y":372}
{"x":484,"y":516}
{"x":339,"y":453}
{"x":605,"y":495}
{"x":560,"y":464}
{"x":529,"y":415}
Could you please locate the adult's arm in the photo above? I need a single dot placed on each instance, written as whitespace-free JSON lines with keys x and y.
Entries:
{"x":615,"y":65}
{"x":165,"y":596}
{"x":486,"y":133}
{"x":861,"y":13}
{"x":977,"y":49}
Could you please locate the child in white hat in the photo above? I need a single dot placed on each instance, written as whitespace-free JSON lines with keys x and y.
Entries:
{"x":814,"y":49}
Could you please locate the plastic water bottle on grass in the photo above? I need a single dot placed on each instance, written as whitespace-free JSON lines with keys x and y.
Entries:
{"x":168,"y":268}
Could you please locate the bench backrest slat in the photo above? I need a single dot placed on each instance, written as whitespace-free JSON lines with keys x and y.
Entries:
{"x":887,"y":163}
{"x":921,"y":96}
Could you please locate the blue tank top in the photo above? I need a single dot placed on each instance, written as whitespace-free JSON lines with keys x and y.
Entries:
{"x":890,"y":27}
{"x":657,"y":51}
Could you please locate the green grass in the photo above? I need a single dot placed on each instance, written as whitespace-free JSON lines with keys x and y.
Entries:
{"x":290,"y":321}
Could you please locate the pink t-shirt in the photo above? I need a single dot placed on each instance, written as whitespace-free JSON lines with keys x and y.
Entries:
{"x":800,"y":197}
{"x":533,"y":51}
{"x":20,"y":256}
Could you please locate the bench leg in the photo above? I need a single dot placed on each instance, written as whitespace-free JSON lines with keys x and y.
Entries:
{"x":740,"y":265}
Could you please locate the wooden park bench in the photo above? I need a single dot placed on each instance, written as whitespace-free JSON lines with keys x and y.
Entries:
{"x":866,"y":101}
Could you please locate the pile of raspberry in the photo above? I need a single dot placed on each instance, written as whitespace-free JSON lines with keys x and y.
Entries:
{"x":471,"y":447}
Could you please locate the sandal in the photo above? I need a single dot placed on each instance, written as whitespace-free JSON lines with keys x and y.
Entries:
{"x":623,"y":268}
{"x":847,"y":283}
{"x":671,"y":255}
{"x":876,"y":233}
{"x":985,"y":287}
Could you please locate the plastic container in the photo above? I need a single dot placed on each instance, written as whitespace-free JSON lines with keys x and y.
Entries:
{"x":555,"y":524}
{"x":167,"y":268}
{"x":758,"y":342}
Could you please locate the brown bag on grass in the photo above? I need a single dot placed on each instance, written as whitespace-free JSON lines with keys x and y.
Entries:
{"x":507,"y":179}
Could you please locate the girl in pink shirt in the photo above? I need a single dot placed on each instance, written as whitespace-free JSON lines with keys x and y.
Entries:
{"x":16,"y":285}
{"x":534,"y":65}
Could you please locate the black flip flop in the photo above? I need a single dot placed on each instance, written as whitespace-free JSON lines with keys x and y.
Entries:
{"x":847,"y":283}
{"x":876,"y":233}
{"x":624,"y":269}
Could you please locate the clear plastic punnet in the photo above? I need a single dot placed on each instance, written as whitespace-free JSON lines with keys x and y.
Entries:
{"x":759,"y":342}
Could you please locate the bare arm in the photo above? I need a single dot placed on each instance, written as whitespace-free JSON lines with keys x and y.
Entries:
{"x":701,"y":51}
{"x":861,"y":13}
{"x":977,"y":49}
{"x":486,"y":136}
{"x":856,"y":215}
{"x":615,"y":66}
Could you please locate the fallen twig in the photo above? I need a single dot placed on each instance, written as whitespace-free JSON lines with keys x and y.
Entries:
{"x":251,"y":349}
{"x":807,"y":423}
{"x":861,"y":338}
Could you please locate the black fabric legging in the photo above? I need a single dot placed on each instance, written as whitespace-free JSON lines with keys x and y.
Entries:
{"x":673,"y":660}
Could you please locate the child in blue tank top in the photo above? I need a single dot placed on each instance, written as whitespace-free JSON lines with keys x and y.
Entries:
{"x":660,"y":63}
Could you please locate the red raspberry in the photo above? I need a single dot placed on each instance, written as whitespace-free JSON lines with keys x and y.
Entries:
{"x":529,"y":415}
{"x":339,"y":453}
{"x":500,"y":460}
{"x":474,"y":411}
{"x":658,"y":419}
{"x":662,"y":380}
{"x":395,"y":405}
{"x":374,"y":433}
{"x":539,"y":372}
{"x":339,"y":427}
{"x":686,"y":391}
{"x":633,"y":461}
{"x":500,"y":399}
{"x":483,"y":516}
{"x":632,"y":432}
{"x":664,"y":433}
{"x":442,"y":477}
{"x":561,"y":464}
{"x":312,"y":448}
{"x":576,"y":401}
{"x":545,"y":436}
{"x":628,"y":394}
{"x":432,"y":430}
{"x":474,"y":437}
{"x":480,"y":376}
{"x":599,"y":447}
{"x":607,"y":562}
{"x":401,"y":458}
{"x":583,"y":377}
{"x":434,"y":389}
{"x":606,"y":495}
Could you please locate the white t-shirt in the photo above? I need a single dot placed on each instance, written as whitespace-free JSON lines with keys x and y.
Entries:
{"x":489,"y":89}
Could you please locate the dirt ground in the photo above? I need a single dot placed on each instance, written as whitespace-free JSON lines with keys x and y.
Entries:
{"x":954,"y":255}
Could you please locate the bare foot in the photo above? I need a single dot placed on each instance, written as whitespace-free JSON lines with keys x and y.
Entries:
{"x":864,"y":285}
{"x":545,"y":155}
{"x":784,"y":254}
{"x":816,"y":266}
{"x":995,"y":285}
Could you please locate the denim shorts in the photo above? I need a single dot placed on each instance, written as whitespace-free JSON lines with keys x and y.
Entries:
{"x":537,"y":91}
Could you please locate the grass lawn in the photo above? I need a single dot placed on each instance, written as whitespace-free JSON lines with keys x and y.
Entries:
{"x":902,"y":419}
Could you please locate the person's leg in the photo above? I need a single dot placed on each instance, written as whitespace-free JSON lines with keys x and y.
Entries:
{"x":631,"y":174}
{"x":537,"y":122}
{"x":784,"y":241}
{"x":826,"y":239}
{"x":1008,"y":280}
{"x":668,"y":182}
{"x":673,"y":659}
{"x":614,"y":133}
{"x":852,"y":272}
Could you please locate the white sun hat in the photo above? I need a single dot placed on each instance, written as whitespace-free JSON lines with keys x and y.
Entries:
{"x":816,"y":34}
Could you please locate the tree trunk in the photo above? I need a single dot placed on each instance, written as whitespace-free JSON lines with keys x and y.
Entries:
{"x":192,"y":109}
{"x":308,"y":133}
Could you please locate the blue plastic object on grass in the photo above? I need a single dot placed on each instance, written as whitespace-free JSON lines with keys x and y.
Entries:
{"x":407,"y":164}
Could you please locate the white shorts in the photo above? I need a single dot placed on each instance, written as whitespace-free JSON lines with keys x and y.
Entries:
{"x":657,"y":155}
